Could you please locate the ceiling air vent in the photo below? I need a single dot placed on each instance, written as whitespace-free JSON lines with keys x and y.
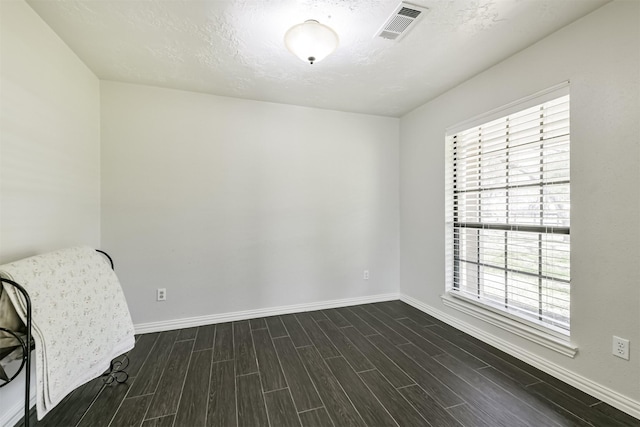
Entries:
{"x":401,"y":21}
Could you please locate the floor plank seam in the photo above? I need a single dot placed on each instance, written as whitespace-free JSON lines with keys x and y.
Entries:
{"x":313,"y":383}
{"x":249,"y":373}
{"x":342,"y":388}
{"x":380,"y":402}
{"x":161,"y":376}
{"x":454,"y":406}
{"x":119,"y":406}
{"x":405,"y":386}
{"x":93,"y":401}
{"x":277,"y":389}
{"x":312,"y":409}
{"x":385,"y":355}
{"x":333,"y":357}
{"x":287,"y":382}
{"x":235,"y":377}
{"x":213,"y":362}
{"x":183,"y":384}
{"x":141,"y":395}
{"x":211,"y":368}
{"x":365,"y":370}
{"x":157,"y":418}
{"x":264,"y":403}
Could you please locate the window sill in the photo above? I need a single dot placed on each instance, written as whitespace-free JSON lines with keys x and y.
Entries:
{"x":523,"y":330}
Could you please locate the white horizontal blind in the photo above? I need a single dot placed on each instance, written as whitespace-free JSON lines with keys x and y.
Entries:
{"x":508,"y":213}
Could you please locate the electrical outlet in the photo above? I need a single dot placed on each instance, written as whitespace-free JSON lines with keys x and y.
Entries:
{"x":161,"y":294}
{"x":621,"y":347}
{"x":365,"y":275}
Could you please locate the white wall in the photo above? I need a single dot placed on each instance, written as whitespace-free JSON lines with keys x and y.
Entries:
{"x":49,"y":140}
{"x":239,"y":205}
{"x":49,"y":146}
{"x":599,"y":54}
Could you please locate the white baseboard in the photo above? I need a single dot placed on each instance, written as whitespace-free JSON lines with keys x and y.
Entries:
{"x":189,"y":322}
{"x":605,"y":394}
{"x":14,"y":414}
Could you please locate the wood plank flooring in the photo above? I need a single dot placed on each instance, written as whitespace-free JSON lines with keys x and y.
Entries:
{"x":383,"y":364}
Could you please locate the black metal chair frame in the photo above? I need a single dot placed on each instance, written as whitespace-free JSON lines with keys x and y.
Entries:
{"x":26,"y":350}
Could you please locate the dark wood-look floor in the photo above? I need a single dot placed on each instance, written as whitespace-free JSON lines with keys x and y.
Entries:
{"x":383,"y":364}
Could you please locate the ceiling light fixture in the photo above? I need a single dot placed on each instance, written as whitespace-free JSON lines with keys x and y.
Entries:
{"x":311,"y":41}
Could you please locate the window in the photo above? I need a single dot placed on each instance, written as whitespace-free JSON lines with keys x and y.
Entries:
{"x":508,"y":211}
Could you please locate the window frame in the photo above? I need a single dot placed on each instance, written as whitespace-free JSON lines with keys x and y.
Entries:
{"x":545,"y":334}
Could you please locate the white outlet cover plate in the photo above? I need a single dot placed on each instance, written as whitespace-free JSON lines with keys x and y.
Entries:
{"x":620,"y":347}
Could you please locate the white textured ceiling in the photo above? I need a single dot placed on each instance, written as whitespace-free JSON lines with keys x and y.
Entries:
{"x":235,"y":47}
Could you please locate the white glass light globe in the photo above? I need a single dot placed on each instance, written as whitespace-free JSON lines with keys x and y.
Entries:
{"x":311,"y":41}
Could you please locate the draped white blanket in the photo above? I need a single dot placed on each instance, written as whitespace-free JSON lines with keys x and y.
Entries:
{"x":80,"y":318}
